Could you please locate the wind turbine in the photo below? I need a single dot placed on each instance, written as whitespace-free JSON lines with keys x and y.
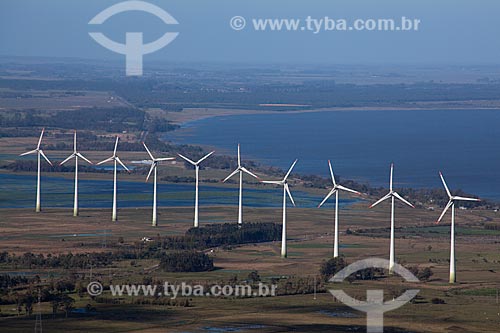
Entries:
{"x":154,"y":167}
{"x":286,"y":191}
{"x":197,"y":170}
{"x":240,"y":169}
{"x":75,"y":155}
{"x":392,"y":194}
{"x":39,"y":153}
{"x":116,"y":160}
{"x":336,"y":188}
{"x":451,"y":203}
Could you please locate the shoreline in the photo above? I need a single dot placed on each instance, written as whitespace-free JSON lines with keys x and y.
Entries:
{"x":189,"y":115}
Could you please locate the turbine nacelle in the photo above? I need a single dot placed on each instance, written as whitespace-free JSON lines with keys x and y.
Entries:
{"x":154,"y":161}
{"x":75,"y":154}
{"x":453,"y":198}
{"x":114,"y":157}
{"x":392,"y":193}
{"x":283,"y":182}
{"x":240,"y":168}
{"x":38,"y":150}
{"x":336,"y":187}
{"x":197,"y":163}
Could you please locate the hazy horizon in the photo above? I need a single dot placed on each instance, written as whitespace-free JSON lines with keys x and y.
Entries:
{"x":451,"y":32}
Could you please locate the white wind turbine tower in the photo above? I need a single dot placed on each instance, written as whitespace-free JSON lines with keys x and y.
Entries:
{"x":154,"y":167}
{"x":240,"y":169}
{"x":286,"y":191}
{"x":392,"y":194}
{"x":75,"y":155}
{"x":116,"y":160}
{"x":451,"y":203}
{"x":39,"y":153}
{"x":197,"y":170}
{"x":336,"y":188}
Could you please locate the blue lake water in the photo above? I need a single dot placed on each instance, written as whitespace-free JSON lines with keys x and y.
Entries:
{"x":464,"y":144}
{"x":19,"y":191}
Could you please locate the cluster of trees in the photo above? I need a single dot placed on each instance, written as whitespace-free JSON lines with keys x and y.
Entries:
{"x":8,"y":281}
{"x":214,"y":235}
{"x":334,"y":265}
{"x":209,"y":236}
{"x":55,"y":292}
{"x":331,"y":267}
{"x":105,"y":119}
{"x":295,"y":285}
{"x":420,"y":197}
{"x":186,"y":261}
{"x":29,"y":260}
{"x":31,"y":166}
{"x":15,"y":132}
{"x":423,"y":274}
{"x":492,"y":226}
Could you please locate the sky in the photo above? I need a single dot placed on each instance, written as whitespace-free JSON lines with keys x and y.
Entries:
{"x":450,"y":31}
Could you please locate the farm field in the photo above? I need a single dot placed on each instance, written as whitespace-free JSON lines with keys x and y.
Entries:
{"x":470,"y":306}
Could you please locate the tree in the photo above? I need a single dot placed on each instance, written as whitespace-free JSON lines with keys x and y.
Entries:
{"x":254,"y":276}
{"x":331,"y":267}
{"x":67,"y":303}
{"x":28,"y":304}
{"x":425,"y":274}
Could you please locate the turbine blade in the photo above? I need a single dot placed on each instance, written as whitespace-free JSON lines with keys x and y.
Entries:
{"x":289,"y":194}
{"x":387,"y":196}
{"x":187,"y":159}
{"x":331,"y":173}
{"x":121,"y":163}
{"x":105,"y":161}
{"x":29,"y":152}
{"x":164,"y":159}
{"x":68,"y":158}
{"x":396,"y":194}
{"x":239,"y":156}
{"x":43,"y":154}
{"x":445,"y":186}
{"x":150,"y":171}
{"x":290,"y":170}
{"x":205,"y":157}
{"x":343,"y":188}
{"x":275,"y":182}
{"x":248,"y":172}
{"x":40,"y":140}
{"x":232,"y":174}
{"x":392,"y":172}
{"x":150,"y":155}
{"x":332,"y":191}
{"x":116,"y":146}
{"x":84,"y":158}
{"x":74,"y":143}
{"x":448,"y":205}
{"x":466,"y":199}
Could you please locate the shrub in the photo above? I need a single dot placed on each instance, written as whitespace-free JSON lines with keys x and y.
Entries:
{"x":438,"y":301}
